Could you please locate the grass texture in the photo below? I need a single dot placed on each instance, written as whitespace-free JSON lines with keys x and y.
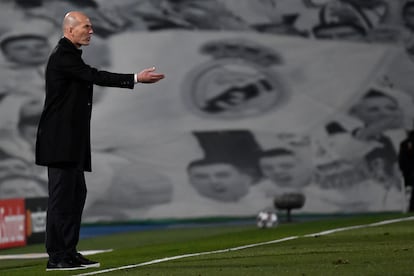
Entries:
{"x":376,"y":250}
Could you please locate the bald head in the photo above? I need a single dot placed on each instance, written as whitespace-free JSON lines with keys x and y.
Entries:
{"x":71,"y":19}
{"x":77,"y":27}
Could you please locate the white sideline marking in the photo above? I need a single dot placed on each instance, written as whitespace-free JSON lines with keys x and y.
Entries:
{"x":327,"y":232}
{"x":44,"y":255}
{"x":384,"y":222}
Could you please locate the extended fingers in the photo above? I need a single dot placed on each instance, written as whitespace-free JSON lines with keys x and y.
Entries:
{"x":156,"y":75}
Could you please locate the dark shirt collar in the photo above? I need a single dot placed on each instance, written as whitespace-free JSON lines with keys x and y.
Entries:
{"x":64,"y":42}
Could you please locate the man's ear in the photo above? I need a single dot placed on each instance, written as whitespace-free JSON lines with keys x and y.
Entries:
{"x":69,"y":30}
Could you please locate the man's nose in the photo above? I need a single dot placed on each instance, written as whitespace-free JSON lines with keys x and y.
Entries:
{"x":215,"y":182}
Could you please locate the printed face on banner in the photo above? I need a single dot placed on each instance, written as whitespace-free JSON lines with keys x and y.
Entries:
{"x":237,"y":83}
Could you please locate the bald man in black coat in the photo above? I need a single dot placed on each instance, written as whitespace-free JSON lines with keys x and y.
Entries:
{"x":63,"y":137}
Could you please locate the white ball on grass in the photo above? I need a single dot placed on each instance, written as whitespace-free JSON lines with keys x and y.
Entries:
{"x":266,"y":219}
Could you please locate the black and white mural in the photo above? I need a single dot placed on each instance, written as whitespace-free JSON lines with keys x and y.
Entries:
{"x":262,"y":100}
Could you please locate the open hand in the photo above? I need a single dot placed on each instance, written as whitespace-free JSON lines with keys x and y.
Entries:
{"x":149,"y":76}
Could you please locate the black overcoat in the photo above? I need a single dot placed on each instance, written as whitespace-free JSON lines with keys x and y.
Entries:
{"x":63,"y":135}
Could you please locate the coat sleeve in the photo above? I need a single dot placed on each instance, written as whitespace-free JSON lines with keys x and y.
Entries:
{"x":78,"y":69}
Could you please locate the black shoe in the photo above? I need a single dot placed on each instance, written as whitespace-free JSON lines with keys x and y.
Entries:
{"x":64,"y":265}
{"x":84,"y":261}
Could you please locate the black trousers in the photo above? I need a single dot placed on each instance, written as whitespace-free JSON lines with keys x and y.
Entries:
{"x":408,"y":176}
{"x":411,"y":203}
{"x":67,"y":195}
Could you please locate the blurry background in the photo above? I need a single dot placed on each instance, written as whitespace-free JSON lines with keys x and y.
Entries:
{"x":262,"y":100}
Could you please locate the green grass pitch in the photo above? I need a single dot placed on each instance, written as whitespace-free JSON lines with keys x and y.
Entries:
{"x":377,"y":250}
